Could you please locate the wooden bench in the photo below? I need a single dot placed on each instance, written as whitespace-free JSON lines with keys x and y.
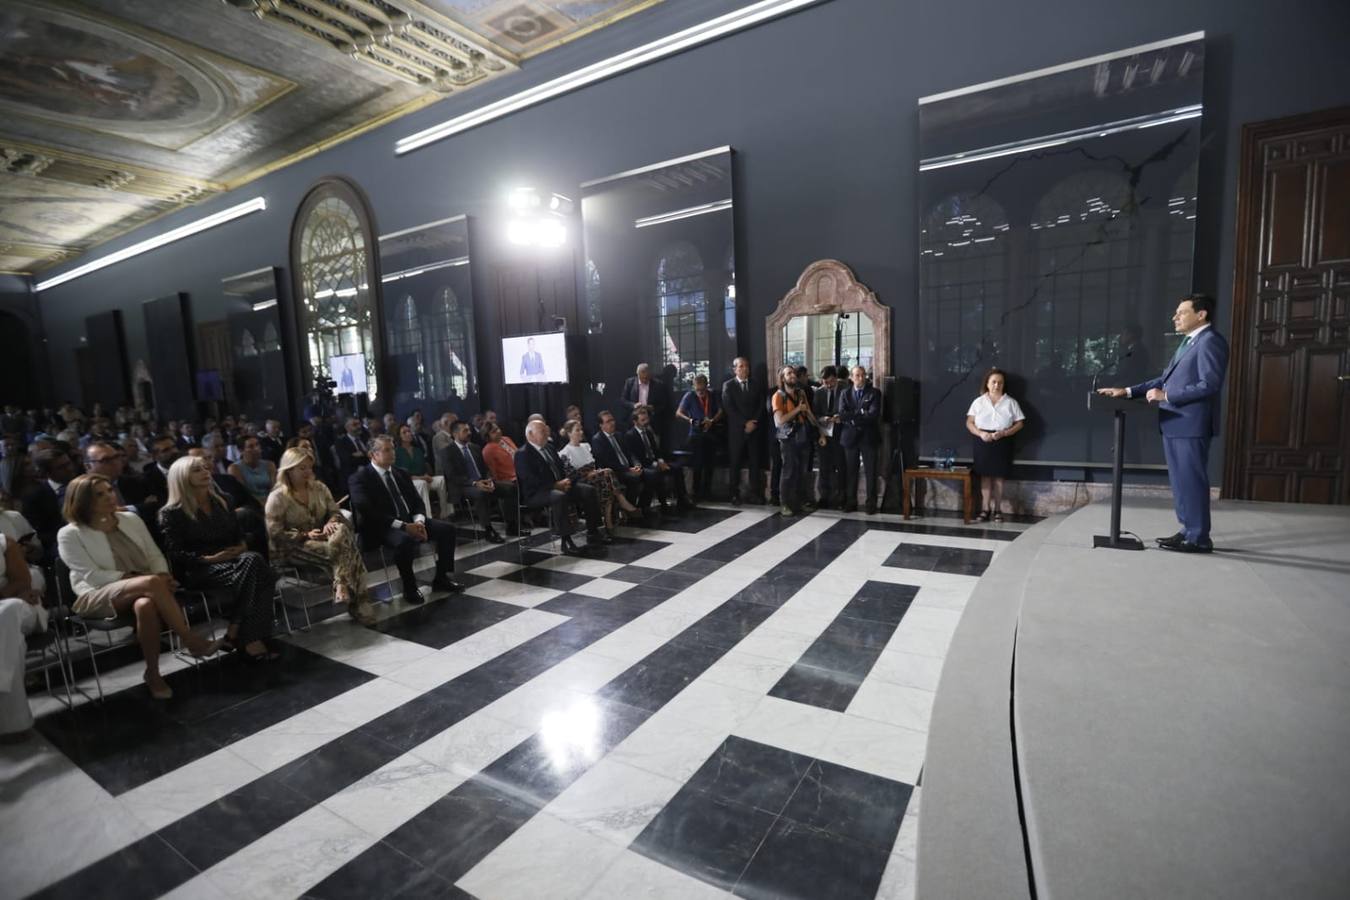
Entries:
{"x":959,"y":473}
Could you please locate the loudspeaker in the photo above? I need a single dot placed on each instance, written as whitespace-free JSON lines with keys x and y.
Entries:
{"x":900,"y":400}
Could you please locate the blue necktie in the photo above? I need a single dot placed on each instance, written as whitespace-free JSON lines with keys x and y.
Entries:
{"x":473,"y":467}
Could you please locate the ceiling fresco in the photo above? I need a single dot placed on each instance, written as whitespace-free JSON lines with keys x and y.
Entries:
{"x":115,"y":112}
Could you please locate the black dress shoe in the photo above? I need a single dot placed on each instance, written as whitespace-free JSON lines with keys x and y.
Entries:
{"x":493,"y":537}
{"x":1188,"y":547}
{"x":598,"y":537}
{"x":446,"y":583}
{"x":871,"y":509}
{"x":1172,"y":540}
{"x":414,"y":597}
{"x":570,"y":548}
{"x":850,"y":508}
{"x":735,"y":500}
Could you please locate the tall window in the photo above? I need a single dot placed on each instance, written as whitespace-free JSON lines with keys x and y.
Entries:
{"x":682,"y":314}
{"x":335,"y":301}
{"x":963,"y":254}
{"x":449,"y":351}
{"x":405,"y":342}
{"x":595,"y":323}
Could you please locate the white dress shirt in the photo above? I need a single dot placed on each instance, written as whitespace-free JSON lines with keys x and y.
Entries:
{"x":995,"y":417}
{"x":381,"y":471}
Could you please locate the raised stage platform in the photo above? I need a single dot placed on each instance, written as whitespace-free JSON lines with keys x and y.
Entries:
{"x":1123,"y":724}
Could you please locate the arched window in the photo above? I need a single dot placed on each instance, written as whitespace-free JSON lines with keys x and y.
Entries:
{"x":594,"y":321}
{"x":270,"y":341}
{"x":335,"y":297}
{"x":405,"y":343}
{"x":963,"y":260}
{"x":451,"y":352}
{"x":1087,"y":272}
{"x":682,"y":314}
{"x":248,"y":344}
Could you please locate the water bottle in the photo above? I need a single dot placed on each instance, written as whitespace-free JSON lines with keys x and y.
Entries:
{"x":951,"y":458}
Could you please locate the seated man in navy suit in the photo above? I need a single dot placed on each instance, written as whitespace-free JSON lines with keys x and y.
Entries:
{"x":610,"y":453}
{"x":391,"y":513}
{"x":543,"y":481}
{"x":643,"y":445}
{"x":467,"y":475}
{"x":1187,"y":394}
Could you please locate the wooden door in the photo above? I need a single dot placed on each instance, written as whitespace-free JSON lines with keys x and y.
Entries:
{"x":1288,"y":430}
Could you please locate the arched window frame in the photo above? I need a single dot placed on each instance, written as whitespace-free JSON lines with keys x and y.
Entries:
{"x":332,"y":325}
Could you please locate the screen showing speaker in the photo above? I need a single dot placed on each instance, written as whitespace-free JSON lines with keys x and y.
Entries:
{"x":535,"y":358}
{"x":349,"y":372}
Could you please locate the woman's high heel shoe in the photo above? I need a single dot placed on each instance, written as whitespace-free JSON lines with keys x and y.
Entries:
{"x":207,"y":648}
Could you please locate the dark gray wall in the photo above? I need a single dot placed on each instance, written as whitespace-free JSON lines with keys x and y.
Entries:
{"x":821,"y":109}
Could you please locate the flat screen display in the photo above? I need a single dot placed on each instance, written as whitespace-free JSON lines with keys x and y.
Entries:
{"x":349,"y":372}
{"x":535,"y":358}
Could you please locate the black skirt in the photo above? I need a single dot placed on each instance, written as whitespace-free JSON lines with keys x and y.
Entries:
{"x":993,"y":459}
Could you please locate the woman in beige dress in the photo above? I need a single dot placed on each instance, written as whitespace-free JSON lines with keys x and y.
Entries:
{"x":305,"y":526}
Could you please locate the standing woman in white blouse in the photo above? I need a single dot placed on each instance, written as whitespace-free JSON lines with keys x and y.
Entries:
{"x":993,"y":419}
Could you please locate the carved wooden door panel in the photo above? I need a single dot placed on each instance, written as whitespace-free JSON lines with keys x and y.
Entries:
{"x":1288,"y":432}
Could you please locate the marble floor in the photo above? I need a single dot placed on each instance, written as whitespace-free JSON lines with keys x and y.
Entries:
{"x":727,"y":702}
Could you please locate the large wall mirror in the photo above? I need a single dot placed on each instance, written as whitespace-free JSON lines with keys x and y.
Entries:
{"x":429,"y":324}
{"x":829,"y":319}
{"x":660,"y":273}
{"x":1057,"y":225}
{"x":256,"y":379}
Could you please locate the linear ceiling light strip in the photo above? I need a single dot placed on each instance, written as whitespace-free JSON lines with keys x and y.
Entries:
{"x":702,"y":33}
{"x":686,"y":213}
{"x":257,"y":204}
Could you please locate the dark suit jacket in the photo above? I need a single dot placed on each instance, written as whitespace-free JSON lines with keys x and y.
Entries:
{"x":604,"y":454}
{"x":533,"y":474}
{"x":637,"y":450}
{"x":375,"y":508}
{"x":861,"y":421}
{"x":42,"y":508}
{"x":821,"y":405}
{"x":156,"y":483}
{"x":450,"y":463}
{"x":742,"y":405}
{"x":658,"y":397}
{"x":343,"y":448}
{"x":272,"y":448}
{"x":1192,"y":382}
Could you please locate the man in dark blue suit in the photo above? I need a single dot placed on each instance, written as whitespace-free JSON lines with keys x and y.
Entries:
{"x":543,"y":481}
{"x":1187,"y":394}
{"x":859,"y":417}
{"x":391,"y":513}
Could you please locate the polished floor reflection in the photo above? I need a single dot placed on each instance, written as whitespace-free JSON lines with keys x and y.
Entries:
{"x":729,"y":702}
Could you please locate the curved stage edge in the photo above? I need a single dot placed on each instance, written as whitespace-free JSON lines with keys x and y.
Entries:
{"x":1123,"y":724}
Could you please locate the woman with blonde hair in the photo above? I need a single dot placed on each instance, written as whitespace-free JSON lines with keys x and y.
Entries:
{"x":116,"y":568}
{"x":304,"y":525}
{"x":206,"y":549}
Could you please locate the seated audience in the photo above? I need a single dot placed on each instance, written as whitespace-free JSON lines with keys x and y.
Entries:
{"x":581,"y":463}
{"x":571,"y":414}
{"x":423,"y":438}
{"x":164,"y":450}
{"x":610,"y":453}
{"x":205,"y":546}
{"x":644,"y":447}
{"x":270,"y":441}
{"x":107,"y":460}
{"x":187,"y":436}
{"x":543,"y":482}
{"x":442,"y":437}
{"x":116,"y":569}
{"x":411,"y":458}
{"x":256,"y":474}
{"x":702,"y":409}
{"x":499,"y":452}
{"x":390,"y":512}
{"x":21,"y":614}
{"x":305,"y":526}
{"x":214,"y":445}
{"x":468,"y":476}
{"x":136,"y":459}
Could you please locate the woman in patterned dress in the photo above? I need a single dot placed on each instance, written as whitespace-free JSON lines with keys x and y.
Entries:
{"x":579,"y":461}
{"x":305,"y":526}
{"x":206,"y":550}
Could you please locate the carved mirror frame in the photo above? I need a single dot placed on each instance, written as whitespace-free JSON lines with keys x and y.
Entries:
{"x":826,"y":287}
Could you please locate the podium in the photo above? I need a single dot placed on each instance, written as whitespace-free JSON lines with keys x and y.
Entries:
{"x":1118,"y":406}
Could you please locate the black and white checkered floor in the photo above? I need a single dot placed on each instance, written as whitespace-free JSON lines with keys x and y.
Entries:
{"x":732,"y":702}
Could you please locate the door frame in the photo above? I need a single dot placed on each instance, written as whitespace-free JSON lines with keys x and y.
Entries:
{"x":1247,"y":259}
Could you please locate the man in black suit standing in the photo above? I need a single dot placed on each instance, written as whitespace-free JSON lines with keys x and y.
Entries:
{"x":825,"y":405}
{"x":643,"y":445}
{"x":644,"y":390}
{"x":467,"y":475}
{"x":860,"y":416}
{"x":350,"y":451}
{"x":607,"y":445}
{"x":743,"y":401}
{"x":391,"y":513}
{"x":544,"y":482}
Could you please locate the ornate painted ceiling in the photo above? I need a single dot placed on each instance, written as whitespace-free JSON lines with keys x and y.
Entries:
{"x":115,"y":112}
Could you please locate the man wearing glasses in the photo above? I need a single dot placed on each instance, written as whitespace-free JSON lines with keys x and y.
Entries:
{"x":133,"y":495}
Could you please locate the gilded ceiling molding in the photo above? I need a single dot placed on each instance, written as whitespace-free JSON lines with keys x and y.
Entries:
{"x":49,"y":163}
{"x":414,"y":47}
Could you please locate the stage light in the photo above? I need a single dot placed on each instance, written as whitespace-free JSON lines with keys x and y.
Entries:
{"x":522,"y":198}
{"x":551,"y":233}
{"x":560,"y":205}
{"x":669,"y":45}
{"x":257,"y":204}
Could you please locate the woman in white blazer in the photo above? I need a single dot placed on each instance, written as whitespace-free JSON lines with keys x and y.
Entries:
{"x":115,"y":568}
